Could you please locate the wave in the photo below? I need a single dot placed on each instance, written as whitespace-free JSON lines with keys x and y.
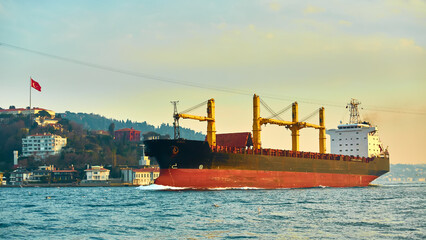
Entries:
{"x":156,"y":187}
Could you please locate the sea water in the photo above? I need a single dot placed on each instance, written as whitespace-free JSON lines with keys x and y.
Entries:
{"x":385,"y":211}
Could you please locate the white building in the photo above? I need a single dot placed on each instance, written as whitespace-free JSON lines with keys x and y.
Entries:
{"x":145,"y":176}
{"x":42,"y":145}
{"x":97,"y":173}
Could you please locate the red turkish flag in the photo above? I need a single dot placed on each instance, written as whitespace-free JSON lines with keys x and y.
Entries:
{"x":35,"y":85}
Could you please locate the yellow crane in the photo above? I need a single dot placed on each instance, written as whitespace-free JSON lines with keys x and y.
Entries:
{"x":293,"y":125}
{"x":211,"y":124}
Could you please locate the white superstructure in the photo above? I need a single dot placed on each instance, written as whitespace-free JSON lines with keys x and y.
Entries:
{"x":42,"y":145}
{"x":355,"y":138}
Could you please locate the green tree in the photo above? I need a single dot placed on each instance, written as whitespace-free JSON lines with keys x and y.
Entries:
{"x":111,"y":129}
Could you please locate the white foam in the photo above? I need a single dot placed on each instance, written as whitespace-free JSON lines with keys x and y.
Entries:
{"x":155,"y":187}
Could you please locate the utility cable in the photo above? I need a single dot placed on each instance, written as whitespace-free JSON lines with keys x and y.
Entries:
{"x":202,"y":86}
{"x":194,"y":107}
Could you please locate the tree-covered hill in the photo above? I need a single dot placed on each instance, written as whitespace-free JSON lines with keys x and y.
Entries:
{"x":97,"y":122}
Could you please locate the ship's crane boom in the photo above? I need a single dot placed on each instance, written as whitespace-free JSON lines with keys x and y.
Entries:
{"x":211,"y":124}
{"x":294,"y":126}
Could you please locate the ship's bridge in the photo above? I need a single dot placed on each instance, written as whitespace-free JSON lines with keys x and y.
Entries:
{"x":358,"y":139}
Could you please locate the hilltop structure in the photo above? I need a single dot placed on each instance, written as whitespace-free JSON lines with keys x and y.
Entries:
{"x":26,"y":111}
{"x":127,"y":134}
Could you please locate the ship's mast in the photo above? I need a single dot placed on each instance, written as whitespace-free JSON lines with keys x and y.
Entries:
{"x":176,"y":120}
{"x":354,"y":113}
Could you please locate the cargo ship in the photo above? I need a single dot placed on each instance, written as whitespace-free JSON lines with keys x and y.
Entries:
{"x":237,"y":160}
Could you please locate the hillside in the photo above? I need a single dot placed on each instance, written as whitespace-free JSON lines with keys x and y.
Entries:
{"x":97,"y":122}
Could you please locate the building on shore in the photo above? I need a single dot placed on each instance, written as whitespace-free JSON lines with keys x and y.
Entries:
{"x":145,"y":176}
{"x":42,"y":174}
{"x":97,"y":173}
{"x":42,"y":145}
{"x":1,"y":178}
{"x":142,"y":176}
{"x":64,"y":176}
{"x":19,"y":176}
{"x":127,"y":134}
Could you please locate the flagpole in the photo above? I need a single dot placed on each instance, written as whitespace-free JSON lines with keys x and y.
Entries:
{"x":30,"y":105}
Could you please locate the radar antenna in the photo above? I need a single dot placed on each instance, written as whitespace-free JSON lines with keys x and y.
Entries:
{"x":176,"y":122}
{"x":354,"y":113}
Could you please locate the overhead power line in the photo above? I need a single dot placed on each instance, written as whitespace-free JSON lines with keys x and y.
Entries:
{"x":196,"y":85}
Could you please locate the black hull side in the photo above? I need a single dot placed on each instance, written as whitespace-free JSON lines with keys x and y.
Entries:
{"x":190,"y":154}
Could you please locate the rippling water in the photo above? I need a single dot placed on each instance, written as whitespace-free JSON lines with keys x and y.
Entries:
{"x":385,"y":212}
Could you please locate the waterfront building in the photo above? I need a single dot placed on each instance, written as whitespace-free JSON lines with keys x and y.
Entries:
{"x":145,"y":176}
{"x":127,"y":134}
{"x":64,"y":176}
{"x":97,"y":173}
{"x":39,"y":175}
{"x":1,"y":178}
{"x":127,"y":175}
{"x":19,"y":176}
{"x":42,"y":145}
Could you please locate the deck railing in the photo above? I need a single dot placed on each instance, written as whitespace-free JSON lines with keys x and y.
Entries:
{"x":289,"y":153}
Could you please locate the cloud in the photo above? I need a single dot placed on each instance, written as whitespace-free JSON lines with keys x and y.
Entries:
{"x":221,"y":26}
{"x":274,"y":6}
{"x":416,"y":7}
{"x":313,"y":9}
{"x":246,"y":47}
{"x":345,"y":23}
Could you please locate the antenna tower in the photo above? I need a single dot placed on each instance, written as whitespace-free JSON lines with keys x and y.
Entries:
{"x":176,"y":120}
{"x":353,"y":109}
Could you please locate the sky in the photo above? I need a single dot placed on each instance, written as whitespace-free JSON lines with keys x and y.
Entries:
{"x":129,"y":59}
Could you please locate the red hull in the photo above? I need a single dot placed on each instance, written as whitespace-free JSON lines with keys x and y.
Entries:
{"x":212,"y":178}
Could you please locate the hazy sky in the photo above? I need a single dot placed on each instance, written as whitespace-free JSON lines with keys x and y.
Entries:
{"x":319,"y":53}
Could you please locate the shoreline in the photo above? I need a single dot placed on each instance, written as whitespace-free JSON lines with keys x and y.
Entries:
{"x":67,"y":185}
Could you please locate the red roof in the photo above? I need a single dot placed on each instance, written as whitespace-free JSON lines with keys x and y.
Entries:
{"x":239,"y":140}
{"x":127,"y":130}
{"x":147,"y":170}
